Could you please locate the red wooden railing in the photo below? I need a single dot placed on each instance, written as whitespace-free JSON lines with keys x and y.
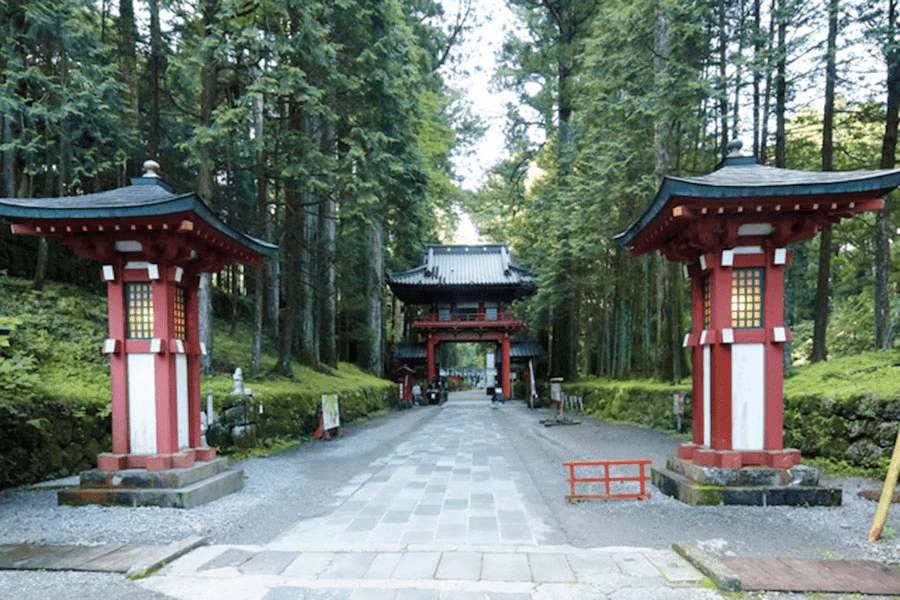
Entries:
{"x":607,"y":479}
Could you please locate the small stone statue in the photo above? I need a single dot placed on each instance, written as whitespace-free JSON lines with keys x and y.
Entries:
{"x":238,"y":382}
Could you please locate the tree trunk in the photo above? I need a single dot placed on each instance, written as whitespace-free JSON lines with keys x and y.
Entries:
{"x":127,"y":41}
{"x":293,"y":235}
{"x":9,"y":160}
{"x":757,"y":73}
{"x":262,"y":206}
{"x":781,"y":85}
{"x":374,"y":353}
{"x":888,"y":161}
{"x":206,"y":174}
{"x":154,"y":74}
{"x":326,"y":282}
{"x":723,"y":77}
{"x":819,"y":351}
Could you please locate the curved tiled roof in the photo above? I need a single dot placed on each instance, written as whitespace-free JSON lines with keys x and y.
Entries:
{"x":740,"y":177}
{"x":145,"y":197}
{"x":487,"y":271}
{"x":480,"y":264}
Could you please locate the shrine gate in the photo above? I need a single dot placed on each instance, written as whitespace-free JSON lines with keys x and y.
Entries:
{"x":465,"y":290}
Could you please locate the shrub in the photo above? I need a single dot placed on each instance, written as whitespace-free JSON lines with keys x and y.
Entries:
{"x":642,"y":402}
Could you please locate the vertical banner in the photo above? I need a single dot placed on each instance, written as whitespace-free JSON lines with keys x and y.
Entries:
{"x":331,"y":416}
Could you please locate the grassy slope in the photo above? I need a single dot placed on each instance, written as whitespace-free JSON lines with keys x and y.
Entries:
{"x":57,"y":334}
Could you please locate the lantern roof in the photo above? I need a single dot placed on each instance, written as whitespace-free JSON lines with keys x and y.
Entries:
{"x":459,"y":272}
{"x":692,"y":215}
{"x":147,"y":210}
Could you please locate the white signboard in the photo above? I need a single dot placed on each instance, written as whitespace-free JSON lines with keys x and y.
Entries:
{"x":331,"y":416}
{"x":556,"y":392}
{"x":678,"y":404}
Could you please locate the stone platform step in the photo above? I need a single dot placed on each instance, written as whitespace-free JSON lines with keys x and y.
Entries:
{"x":157,"y":490}
{"x":133,"y":560}
{"x":143,"y":479}
{"x":370,"y":571}
{"x":697,"y":494}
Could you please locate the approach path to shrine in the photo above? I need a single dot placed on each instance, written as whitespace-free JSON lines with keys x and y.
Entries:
{"x":452,"y":512}
{"x":455,"y":502}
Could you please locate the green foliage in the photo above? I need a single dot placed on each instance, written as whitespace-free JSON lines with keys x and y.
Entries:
{"x":290,"y":410}
{"x":640,"y":402}
{"x":54,"y":386}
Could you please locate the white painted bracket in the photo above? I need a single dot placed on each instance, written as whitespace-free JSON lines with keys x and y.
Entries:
{"x":110,"y":346}
{"x":153,"y":271}
{"x":727,"y":258}
{"x":703,"y":337}
{"x":728,"y":336}
{"x":109,"y":273}
{"x":780,"y":256}
{"x":779,"y":334}
{"x":703,"y":261}
{"x":202,"y":348}
{"x":687,"y":338}
{"x":179,"y":345}
{"x":684,"y":270}
{"x":156,"y":345}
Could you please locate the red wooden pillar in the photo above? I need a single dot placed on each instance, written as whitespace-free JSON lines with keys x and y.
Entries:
{"x":164,"y":330}
{"x":776,"y":335}
{"x":432,"y":342}
{"x":115,"y":348}
{"x":504,"y":366}
{"x":720,"y":282}
{"x":698,"y":283}
{"x":194,"y":351}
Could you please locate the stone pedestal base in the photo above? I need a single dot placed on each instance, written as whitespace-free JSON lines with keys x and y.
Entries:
{"x":754,"y":486}
{"x":171,"y":488}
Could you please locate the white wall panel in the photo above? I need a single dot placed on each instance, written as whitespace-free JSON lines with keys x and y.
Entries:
{"x":748,"y":396}
{"x":181,"y":389}
{"x":142,"y":403}
{"x":706,"y":399}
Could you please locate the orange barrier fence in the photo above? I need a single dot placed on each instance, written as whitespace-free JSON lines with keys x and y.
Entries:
{"x":606,"y":479}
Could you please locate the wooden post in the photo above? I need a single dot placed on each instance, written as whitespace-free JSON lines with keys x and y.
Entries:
{"x":887,"y":494}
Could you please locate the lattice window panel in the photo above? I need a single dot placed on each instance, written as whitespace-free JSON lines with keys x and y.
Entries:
{"x":180,"y":314}
{"x":747,"y":298}
{"x":139,"y":311}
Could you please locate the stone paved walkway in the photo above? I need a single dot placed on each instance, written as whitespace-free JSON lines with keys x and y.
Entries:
{"x":449,"y":514}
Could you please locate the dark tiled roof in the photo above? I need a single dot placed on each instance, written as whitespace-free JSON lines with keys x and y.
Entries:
{"x":410,"y":351}
{"x":455,"y":265}
{"x":145,"y":197}
{"x":526,"y":349}
{"x":741,"y":177}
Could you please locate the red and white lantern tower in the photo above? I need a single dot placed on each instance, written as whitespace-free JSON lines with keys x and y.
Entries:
{"x":732,"y":228}
{"x":153,"y":244}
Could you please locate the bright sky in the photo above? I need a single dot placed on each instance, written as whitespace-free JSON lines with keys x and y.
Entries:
{"x":471,"y":75}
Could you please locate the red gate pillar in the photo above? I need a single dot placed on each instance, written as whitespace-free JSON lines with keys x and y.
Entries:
{"x":504,"y":366}
{"x":432,"y":342}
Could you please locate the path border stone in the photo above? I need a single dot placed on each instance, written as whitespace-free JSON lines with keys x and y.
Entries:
{"x":721,"y":575}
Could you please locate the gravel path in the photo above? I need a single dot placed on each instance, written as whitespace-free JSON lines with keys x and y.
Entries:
{"x":306,"y":481}
{"x":660,"y":521}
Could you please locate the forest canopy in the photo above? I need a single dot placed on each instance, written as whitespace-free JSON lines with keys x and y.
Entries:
{"x":328,"y":127}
